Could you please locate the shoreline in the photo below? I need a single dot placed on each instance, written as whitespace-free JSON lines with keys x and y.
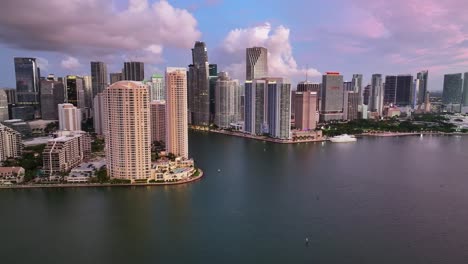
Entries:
{"x":100,"y":185}
{"x":325,"y":138}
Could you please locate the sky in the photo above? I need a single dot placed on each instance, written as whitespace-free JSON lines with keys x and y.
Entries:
{"x":304,"y":37}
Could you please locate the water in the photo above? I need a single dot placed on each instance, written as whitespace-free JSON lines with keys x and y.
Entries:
{"x":380,"y":200}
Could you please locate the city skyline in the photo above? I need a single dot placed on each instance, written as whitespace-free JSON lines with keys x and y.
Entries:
{"x":292,"y":43}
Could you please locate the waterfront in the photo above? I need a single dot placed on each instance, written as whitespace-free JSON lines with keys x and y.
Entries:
{"x":380,"y":200}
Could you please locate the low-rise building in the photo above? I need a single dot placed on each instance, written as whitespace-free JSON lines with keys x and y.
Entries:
{"x":177,"y":170}
{"x":84,"y":172}
{"x":11,"y":175}
{"x":66,"y":151}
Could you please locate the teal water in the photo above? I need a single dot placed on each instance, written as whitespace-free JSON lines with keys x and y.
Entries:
{"x":380,"y":200}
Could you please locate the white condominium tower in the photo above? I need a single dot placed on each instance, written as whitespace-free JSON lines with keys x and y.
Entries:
{"x":69,"y":117}
{"x":176,"y":111}
{"x":256,"y":63}
{"x":127,"y":130}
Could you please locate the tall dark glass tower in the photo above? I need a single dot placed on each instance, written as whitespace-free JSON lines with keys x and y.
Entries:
{"x":403,"y":90}
{"x":98,"y":77}
{"x":27,"y":84}
{"x":422,"y":77}
{"x":213,"y":76}
{"x":134,"y":71}
{"x":452,"y":93}
{"x":199,"y":86}
{"x":390,"y":89}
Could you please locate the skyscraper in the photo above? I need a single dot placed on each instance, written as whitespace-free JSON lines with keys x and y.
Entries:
{"x":415,"y":91}
{"x":213,"y":77}
{"x":27,"y":84}
{"x":98,"y":77}
{"x":256,"y":63}
{"x":357,"y":86}
{"x":306,"y":86}
{"x":279,"y":108}
{"x":88,"y":96}
{"x":134,"y":71}
{"x":465,"y":90}
{"x":452,"y":93}
{"x":403,"y":90}
{"x":157,"y":91}
{"x":332,"y":97}
{"x":376,"y":102}
{"x":3,"y":106}
{"x":98,"y":119}
{"x":75,"y":91}
{"x":255,"y":111}
{"x":52,"y":94}
{"x":348,"y":86}
{"x":127,"y":130}
{"x":69,"y":117}
{"x":306,"y":109}
{"x":351,"y":107}
{"x":227,"y":101}
{"x":422,"y":77}
{"x":176,"y":111}
{"x":390,"y":89}
{"x":158,"y":121}
{"x":199,"y":86}
{"x":116,"y":77}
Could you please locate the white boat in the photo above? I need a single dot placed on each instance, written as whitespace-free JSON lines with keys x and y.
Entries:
{"x":343,"y":139}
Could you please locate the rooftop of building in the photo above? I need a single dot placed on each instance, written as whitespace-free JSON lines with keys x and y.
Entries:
{"x":11,"y":169}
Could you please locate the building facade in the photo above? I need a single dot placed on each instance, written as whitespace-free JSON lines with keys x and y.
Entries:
{"x":306,"y":110}
{"x":377,"y":94}
{"x":390,"y":89}
{"x":255,"y":107}
{"x":52,"y":94}
{"x":98,"y":119}
{"x":98,"y":77}
{"x":332,"y":97}
{"x":422,"y":78}
{"x":158,"y":121}
{"x":157,"y":90}
{"x":199,"y":86}
{"x":227,"y":101}
{"x":66,"y":151}
{"x":452,"y":93}
{"x":69,"y":117}
{"x":403,"y":90}
{"x":256,"y":63}
{"x":134,"y":71}
{"x":28,"y":90}
{"x":351,"y":108}
{"x":279,"y":108}
{"x":3,"y":106}
{"x":116,"y":77}
{"x":176,"y":112}
{"x":11,"y":144}
{"x":127,"y":130}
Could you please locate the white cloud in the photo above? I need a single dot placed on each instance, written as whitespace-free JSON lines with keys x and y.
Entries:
{"x":70,"y":63}
{"x":281,"y":61}
{"x":92,"y":29}
{"x":43,"y":64}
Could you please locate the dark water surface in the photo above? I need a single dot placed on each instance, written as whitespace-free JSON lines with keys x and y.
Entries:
{"x":380,"y":200}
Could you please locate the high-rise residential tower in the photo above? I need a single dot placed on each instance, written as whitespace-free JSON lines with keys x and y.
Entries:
{"x":157,"y":91}
{"x":452,"y":93}
{"x":134,"y":71}
{"x":227,"y":101}
{"x":351,"y":105}
{"x":98,"y":77}
{"x":256,"y":63}
{"x":199,"y":86}
{"x":27,"y":84}
{"x":3,"y":106}
{"x":332,"y":97}
{"x":98,"y":118}
{"x":158,"y":121}
{"x":127,"y":130}
{"x":11,"y":144}
{"x":176,"y":111}
{"x":69,"y":117}
{"x":255,"y":116}
{"x":279,"y":108}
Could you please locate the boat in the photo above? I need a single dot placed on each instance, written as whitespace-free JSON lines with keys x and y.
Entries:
{"x":343,"y":139}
